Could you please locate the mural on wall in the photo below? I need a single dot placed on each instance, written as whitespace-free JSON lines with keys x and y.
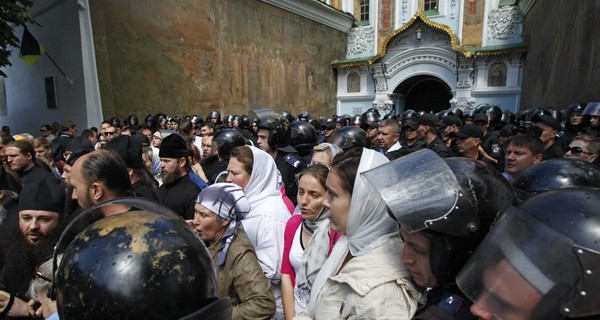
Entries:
{"x":196,"y":56}
{"x":473,"y":23}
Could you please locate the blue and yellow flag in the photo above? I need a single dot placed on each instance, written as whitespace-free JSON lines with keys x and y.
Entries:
{"x":31,"y":49}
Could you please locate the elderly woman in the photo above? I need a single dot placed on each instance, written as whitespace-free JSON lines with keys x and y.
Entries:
{"x":42,"y":304}
{"x":363,"y":277}
{"x":302,"y":260}
{"x":219,"y":211}
{"x":256,"y":172}
{"x":324,"y":153}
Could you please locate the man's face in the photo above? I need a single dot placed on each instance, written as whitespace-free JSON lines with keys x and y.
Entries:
{"x":110,"y":133}
{"x":206,"y":146}
{"x":81,"y":189}
{"x":45,"y":132}
{"x":548,"y":133}
{"x":578,"y":149}
{"x":371,"y":133}
{"x":467,"y":145}
{"x":156,"y":142}
{"x":72,"y":131}
{"x":37,"y":224}
{"x":104,"y":126}
{"x":576,"y":119}
{"x":422,"y":131}
{"x":17,"y":160}
{"x":508,"y":295}
{"x":263,"y":139}
{"x":66,"y":174}
{"x":410,"y":134}
{"x":204,"y":130}
{"x":386,"y":137}
{"x":594,"y":121}
{"x":518,"y":159}
{"x":43,"y":153}
{"x":328,"y":132}
{"x":415,"y":256}
{"x":171,"y":169}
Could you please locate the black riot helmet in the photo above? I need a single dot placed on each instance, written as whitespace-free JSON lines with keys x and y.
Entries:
{"x":357,"y":121}
{"x":304,"y":137}
{"x":138,"y":265}
{"x":592,"y":109}
{"x":196,"y":119}
{"x":494,"y":113}
{"x":507,"y":118}
{"x":227,"y":139}
{"x":214,"y":117}
{"x":550,"y":251}
{"x":302,"y":116}
{"x":454,"y":201}
{"x":409,"y":114}
{"x":371,"y":115}
{"x":151,"y":121}
{"x":315,"y":123}
{"x":574,"y":109}
{"x":456,"y":111}
{"x":288,"y":116}
{"x":115,"y":122}
{"x":555,"y":174}
{"x":350,"y":136}
{"x":132,"y":120}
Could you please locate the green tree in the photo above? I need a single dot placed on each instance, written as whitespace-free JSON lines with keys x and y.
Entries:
{"x":13,"y":13}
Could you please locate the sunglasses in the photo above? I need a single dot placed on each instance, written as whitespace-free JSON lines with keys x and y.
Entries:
{"x":577,"y":151}
{"x":38,"y":274}
{"x":109,"y":133}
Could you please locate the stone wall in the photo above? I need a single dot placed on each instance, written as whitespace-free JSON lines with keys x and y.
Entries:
{"x":563,"y":61}
{"x":190,"y":57}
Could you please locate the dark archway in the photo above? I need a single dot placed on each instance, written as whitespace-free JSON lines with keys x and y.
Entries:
{"x":426,"y":93}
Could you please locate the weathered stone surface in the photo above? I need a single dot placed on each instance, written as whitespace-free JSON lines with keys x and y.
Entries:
{"x":189,"y":57}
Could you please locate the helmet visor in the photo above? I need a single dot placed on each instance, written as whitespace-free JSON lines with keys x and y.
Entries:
{"x":522,"y":270}
{"x":418,"y":189}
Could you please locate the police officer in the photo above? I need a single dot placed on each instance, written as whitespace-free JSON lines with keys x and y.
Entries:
{"x":540,"y":261}
{"x":443,"y":226}
{"x":274,"y":134}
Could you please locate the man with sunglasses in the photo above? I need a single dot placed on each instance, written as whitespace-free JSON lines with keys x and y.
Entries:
{"x":41,"y":207}
{"x":584,"y":147}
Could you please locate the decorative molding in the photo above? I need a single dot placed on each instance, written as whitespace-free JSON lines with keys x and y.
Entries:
{"x":316,"y":11}
{"x":504,"y":22}
{"x":463,"y":103}
{"x":452,"y":6}
{"x":404,"y":10}
{"x":360,"y":40}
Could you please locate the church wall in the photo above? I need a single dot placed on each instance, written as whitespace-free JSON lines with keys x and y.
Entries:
{"x":197,"y":56}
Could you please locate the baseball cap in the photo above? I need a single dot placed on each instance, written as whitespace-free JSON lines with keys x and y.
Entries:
{"x":468,"y":131}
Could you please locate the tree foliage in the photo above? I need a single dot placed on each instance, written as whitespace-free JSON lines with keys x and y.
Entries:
{"x":13,"y":13}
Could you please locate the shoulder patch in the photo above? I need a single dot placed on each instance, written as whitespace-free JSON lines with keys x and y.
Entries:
{"x":451,"y":302}
{"x":295,"y":161}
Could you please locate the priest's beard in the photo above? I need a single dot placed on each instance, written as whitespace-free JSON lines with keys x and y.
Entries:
{"x":168,"y":177}
{"x":25,"y":256}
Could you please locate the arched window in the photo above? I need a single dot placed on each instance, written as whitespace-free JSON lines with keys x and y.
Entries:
{"x":353,"y":84}
{"x":497,"y":75}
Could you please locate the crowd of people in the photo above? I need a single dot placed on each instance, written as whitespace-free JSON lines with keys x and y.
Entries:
{"x":402,"y":216}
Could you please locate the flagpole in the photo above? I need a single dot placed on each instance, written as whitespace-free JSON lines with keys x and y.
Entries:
{"x":59,"y":69}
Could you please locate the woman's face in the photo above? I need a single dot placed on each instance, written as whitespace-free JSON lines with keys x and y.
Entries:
{"x":338,"y":201}
{"x":321,"y":157}
{"x":208,"y":227}
{"x":237,"y":174}
{"x":311,"y":195}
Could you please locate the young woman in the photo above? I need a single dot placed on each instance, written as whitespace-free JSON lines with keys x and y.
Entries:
{"x":363,"y":277}
{"x":300,"y":263}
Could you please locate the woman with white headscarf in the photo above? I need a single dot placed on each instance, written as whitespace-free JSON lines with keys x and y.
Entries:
{"x":219,"y":211}
{"x":256,"y":172}
{"x":363,"y":277}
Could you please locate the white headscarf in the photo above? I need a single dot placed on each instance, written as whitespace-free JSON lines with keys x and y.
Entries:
{"x":263,"y":188}
{"x":369,"y":226}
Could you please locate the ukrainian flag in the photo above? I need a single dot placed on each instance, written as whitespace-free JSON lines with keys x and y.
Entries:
{"x":31,"y":49}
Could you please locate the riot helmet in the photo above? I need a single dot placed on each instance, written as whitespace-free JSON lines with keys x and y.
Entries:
{"x":132,"y":120}
{"x":494,"y":113}
{"x":350,"y":136}
{"x":214,"y":117}
{"x":115,"y":122}
{"x":390,"y":115}
{"x":227,"y":139}
{"x":314,"y":122}
{"x":138,"y":265}
{"x":196,"y":119}
{"x":409,"y":114}
{"x":555,"y":174}
{"x":592,"y":109}
{"x":444,"y":113}
{"x":302,"y":116}
{"x":371,"y":115}
{"x":288,"y":116}
{"x":573,"y":110}
{"x":540,"y":259}
{"x":454,"y":201}
{"x":304,"y":137}
{"x":456,"y":111}
{"x":357,"y":121}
